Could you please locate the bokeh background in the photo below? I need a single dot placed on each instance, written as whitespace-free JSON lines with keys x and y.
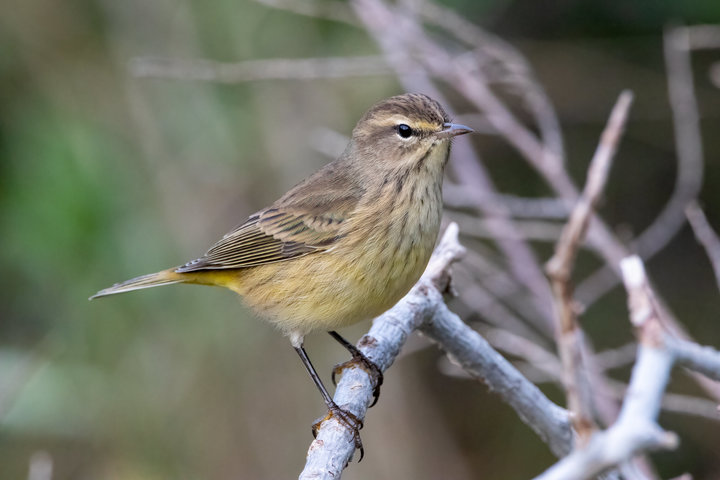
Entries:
{"x":104,"y":176}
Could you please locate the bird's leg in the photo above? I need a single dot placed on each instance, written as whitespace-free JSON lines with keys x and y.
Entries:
{"x":359,"y":359}
{"x":343,"y":416}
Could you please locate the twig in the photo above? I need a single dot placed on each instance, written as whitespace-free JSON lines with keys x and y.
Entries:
{"x":496,"y":296}
{"x":540,"y":366}
{"x":559,"y":268}
{"x":456,"y":196}
{"x":684,"y":476}
{"x":707,"y":237}
{"x":255,"y":70}
{"x":518,"y":346}
{"x":467,"y":348}
{"x":678,"y":403}
{"x":703,"y":359}
{"x":536,"y":230}
{"x":483,"y":301}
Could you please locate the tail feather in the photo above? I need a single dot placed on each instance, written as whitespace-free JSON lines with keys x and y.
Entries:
{"x":165,"y":277}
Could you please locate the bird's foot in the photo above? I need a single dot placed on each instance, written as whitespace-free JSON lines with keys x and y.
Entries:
{"x":360,"y":360}
{"x":346,"y":418}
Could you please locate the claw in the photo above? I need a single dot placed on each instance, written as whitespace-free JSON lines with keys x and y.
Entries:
{"x":360,"y":360}
{"x":346,"y":418}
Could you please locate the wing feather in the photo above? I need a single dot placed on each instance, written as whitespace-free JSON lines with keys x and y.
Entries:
{"x":308,"y":219}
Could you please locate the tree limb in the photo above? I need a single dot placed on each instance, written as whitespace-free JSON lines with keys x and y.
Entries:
{"x":424,"y":309}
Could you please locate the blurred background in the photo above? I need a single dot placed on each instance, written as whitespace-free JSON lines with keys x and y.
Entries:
{"x":108,"y":172}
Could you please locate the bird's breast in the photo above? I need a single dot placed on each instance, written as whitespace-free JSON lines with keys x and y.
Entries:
{"x":383,"y":250}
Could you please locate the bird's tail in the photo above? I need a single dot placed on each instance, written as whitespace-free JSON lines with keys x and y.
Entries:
{"x":165,"y":277}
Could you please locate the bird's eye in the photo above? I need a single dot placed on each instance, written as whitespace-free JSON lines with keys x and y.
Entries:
{"x":404,"y":131}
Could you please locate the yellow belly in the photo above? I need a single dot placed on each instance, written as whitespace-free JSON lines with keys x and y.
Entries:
{"x":329,"y":290}
{"x":358,"y":279}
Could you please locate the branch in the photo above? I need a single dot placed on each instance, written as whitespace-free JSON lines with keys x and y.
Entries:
{"x":703,"y":359}
{"x":705,"y":234}
{"x":634,"y":432}
{"x":456,"y":196}
{"x":255,"y":70}
{"x":479,"y":227}
{"x":636,"y":429}
{"x":559,"y":269}
{"x":474,"y":354}
{"x":424,"y":309}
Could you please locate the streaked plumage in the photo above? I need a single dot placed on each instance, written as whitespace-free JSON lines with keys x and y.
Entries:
{"x":349,"y":241}
{"x":343,"y":245}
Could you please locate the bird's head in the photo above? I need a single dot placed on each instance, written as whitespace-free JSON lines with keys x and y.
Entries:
{"x":403,"y":130}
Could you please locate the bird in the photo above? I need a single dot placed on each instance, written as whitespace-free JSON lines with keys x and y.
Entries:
{"x":345,"y":244}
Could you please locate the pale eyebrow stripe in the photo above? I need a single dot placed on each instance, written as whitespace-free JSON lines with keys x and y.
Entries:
{"x":398,"y":119}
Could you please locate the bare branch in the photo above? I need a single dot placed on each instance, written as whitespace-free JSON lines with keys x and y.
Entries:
{"x":703,"y":359}
{"x":677,"y":403}
{"x":684,"y":476}
{"x":707,"y":237}
{"x":541,"y":366}
{"x":481,"y":299}
{"x":255,"y":70}
{"x":635,"y":430}
{"x":559,"y":268}
{"x":497,"y":296}
{"x":536,"y":230}
{"x":459,"y":196}
{"x":467,"y":348}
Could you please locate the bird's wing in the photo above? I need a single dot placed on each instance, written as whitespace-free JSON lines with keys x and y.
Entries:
{"x":288,"y":229}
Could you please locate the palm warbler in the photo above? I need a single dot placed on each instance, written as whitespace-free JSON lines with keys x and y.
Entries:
{"x":345,"y":244}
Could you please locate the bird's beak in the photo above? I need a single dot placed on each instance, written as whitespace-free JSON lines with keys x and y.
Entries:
{"x":453,"y":130}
